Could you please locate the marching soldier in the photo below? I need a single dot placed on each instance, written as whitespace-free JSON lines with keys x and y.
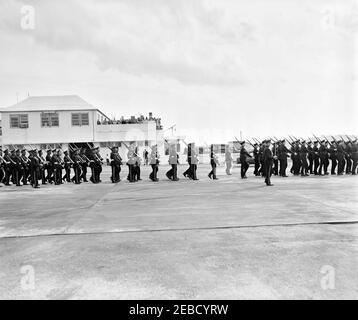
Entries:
{"x":35,"y":169}
{"x":8,"y":166}
{"x":348,"y":157}
{"x":340,"y":157}
{"x":116,"y":162}
{"x":228,"y":160}
{"x":194,"y":161}
{"x":257,"y":159}
{"x":25,"y":163}
{"x":282,"y":154}
{"x":136,"y":167}
{"x":172,"y":174}
{"x":303,"y":159}
{"x":243,"y":160}
{"x":77,"y":165}
{"x":213,"y":162}
{"x":17,"y":167}
{"x":56,"y":163}
{"x":50,"y":168}
{"x":354,"y":156}
{"x":43,"y":167}
{"x":96,"y":165}
{"x":268,"y":161}
{"x":310,"y":157}
{"x":188,"y":173}
{"x":296,"y":162}
{"x":131,"y":163}
{"x":275,"y":160}
{"x":84,"y":165}
{"x":3,"y":164}
{"x":315,"y":157}
{"x":261,"y":158}
{"x":332,"y":151}
{"x":323,"y":157}
{"x":154,"y":162}
{"x":67,"y":166}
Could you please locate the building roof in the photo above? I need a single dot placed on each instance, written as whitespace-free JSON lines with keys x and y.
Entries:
{"x":50,"y":103}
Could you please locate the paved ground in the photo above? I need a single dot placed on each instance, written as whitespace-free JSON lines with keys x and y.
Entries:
{"x":229,"y":239}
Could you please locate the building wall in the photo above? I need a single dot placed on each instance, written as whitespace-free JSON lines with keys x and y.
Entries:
{"x":145,"y":135}
{"x":125,"y":132}
{"x":35,"y":134}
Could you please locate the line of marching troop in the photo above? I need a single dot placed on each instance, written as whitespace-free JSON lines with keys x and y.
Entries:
{"x":311,"y":157}
{"x":270,"y":157}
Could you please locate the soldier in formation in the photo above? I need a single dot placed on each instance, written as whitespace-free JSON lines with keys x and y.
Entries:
{"x":22,"y":167}
{"x":173,"y":160}
{"x":214,"y":161}
{"x":154,"y":163}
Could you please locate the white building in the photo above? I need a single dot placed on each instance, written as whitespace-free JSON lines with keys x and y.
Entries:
{"x":60,"y":121}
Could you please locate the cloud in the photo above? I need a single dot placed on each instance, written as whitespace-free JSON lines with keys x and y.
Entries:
{"x":182,"y":40}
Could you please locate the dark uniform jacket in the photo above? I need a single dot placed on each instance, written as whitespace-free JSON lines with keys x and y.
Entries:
{"x":244,"y":154}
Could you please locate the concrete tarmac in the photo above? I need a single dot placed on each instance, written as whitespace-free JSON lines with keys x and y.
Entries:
{"x":224,"y":239}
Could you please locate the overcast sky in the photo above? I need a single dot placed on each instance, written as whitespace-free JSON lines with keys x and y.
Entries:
{"x":213,"y":68}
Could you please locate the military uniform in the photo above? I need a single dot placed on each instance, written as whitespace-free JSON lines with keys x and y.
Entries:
{"x":267,"y":162}
{"x":213,"y":162}
{"x":131,"y":163}
{"x":228,"y":160}
{"x":194,"y":161}
{"x":282,"y":154}
{"x":56,"y":163}
{"x":296,"y":162}
{"x":2,"y":167}
{"x":303,"y":159}
{"x":188,"y":173}
{"x":323,"y":158}
{"x":172,"y":174}
{"x":154,"y":162}
{"x":354,"y":150}
{"x":84,"y":165}
{"x":95,"y":165}
{"x":243,"y":160}
{"x":50,"y":168}
{"x":77,"y":165}
{"x":35,"y":169}
{"x":116,"y":162}
{"x":275,"y":168}
{"x":340,"y":158}
{"x":43,"y":166}
{"x":310,"y":157}
{"x":332,"y":151}
{"x":348,"y":157}
{"x":136,"y":168}
{"x":256,"y":159}
{"x":67,"y":166}
{"x":17,"y":168}
{"x":315,"y":158}
{"x":25,"y":164}
{"x":8,"y":166}
{"x":261,"y":158}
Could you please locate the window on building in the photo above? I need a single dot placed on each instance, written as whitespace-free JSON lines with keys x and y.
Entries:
{"x":19,"y":121}
{"x":80,"y":119}
{"x":49,"y":119}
